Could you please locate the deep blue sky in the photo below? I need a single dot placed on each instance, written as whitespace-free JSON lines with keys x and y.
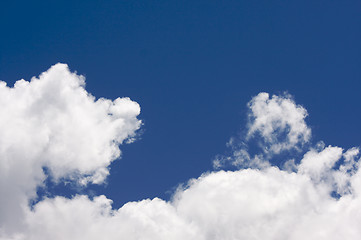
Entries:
{"x":193,"y":66}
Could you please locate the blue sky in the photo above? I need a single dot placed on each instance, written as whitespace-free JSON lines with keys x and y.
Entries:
{"x":192,"y":66}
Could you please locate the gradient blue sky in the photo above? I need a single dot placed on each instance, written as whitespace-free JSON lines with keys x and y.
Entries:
{"x":192,"y":66}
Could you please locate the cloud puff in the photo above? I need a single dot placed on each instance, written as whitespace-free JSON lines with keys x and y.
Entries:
{"x":82,"y":218}
{"x":53,"y":122}
{"x":277,"y":116}
{"x":317,"y":198}
{"x":277,"y":124}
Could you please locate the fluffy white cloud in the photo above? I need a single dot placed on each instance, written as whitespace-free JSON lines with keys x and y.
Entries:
{"x":244,"y":204}
{"x":45,"y":124}
{"x":279,"y":121}
{"x":53,"y":122}
{"x":277,"y":124}
{"x":81,"y":218}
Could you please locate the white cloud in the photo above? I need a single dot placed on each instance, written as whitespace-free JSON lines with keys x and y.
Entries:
{"x":81,"y":218}
{"x":277,"y":124}
{"x":318,"y":164}
{"x":53,"y":122}
{"x":243,"y":204}
{"x":277,"y":116}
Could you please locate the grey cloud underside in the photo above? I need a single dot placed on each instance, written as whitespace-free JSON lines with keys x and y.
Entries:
{"x":265,"y":202}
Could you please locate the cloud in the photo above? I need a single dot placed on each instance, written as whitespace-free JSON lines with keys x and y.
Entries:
{"x":279,"y":121}
{"x":52,"y":122}
{"x":316,"y":197}
{"x":276,"y":124}
{"x":243,"y":204}
{"x":82,"y":218}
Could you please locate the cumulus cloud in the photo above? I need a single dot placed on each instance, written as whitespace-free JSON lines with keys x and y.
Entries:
{"x":243,"y":204}
{"x":279,"y":121}
{"x":318,"y":197}
{"x":277,"y":124}
{"x":53,"y":122}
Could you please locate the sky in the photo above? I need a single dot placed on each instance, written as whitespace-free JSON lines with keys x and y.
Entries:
{"x":180,"y":119}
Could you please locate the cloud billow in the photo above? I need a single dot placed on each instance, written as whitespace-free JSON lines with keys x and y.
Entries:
{"x":277,"y":116}
{"x":276,"y":125}
{"x":315,"y":197}
{"x":53,"y":122}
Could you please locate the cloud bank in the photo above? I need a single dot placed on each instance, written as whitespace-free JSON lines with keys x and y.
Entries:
{"x":52,"y":122}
